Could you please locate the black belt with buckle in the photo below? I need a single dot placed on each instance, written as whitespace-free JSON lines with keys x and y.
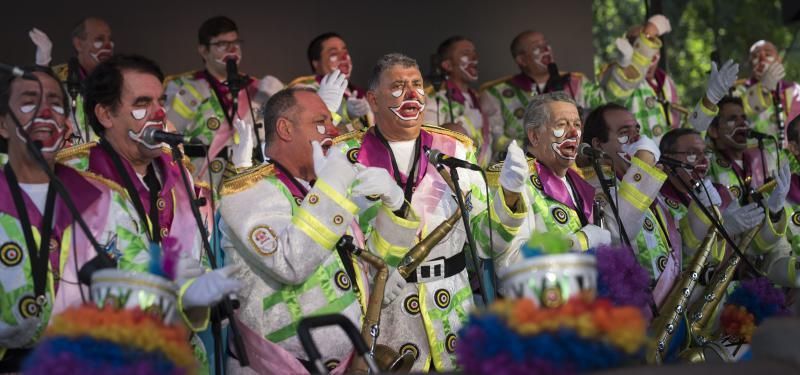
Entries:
{"x":12,"y":360}
{"x":200,"y":151}
{"x":439,"y":268}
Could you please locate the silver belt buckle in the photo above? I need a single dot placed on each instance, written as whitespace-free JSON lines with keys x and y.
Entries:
{"x":432,"y":270}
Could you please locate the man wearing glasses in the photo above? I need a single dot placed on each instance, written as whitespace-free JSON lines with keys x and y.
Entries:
{"x":200,"y":105}
{"x":504,"y":100}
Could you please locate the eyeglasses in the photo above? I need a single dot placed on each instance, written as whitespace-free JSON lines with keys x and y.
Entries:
{"x":692,"y":156}
{"x":226,"y":44}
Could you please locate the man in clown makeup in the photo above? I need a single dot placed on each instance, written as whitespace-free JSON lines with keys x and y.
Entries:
{"x":431,"y":305}
{"x":766,"y":91}
{"x":327,"y":53}
{"x":504,"y":101}
{"x":557,"y":197}
{"x":42,"y":247}
{"x":125,"y":96}
{"x":93,"y":44}
{"x":200,"y":104}
{"x":454,"y":105}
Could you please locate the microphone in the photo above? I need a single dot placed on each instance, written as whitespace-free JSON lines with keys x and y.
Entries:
{"x":154,"y":136}
{"x":666,"y":160}
{"x":436,"y":157}
{"x":586,"y":150}
{"x":73,"y":77}
{"x":757,"y":135}
{"x":555,"y":82}
{"x":233,"y":84}
{"x":17,"y":71}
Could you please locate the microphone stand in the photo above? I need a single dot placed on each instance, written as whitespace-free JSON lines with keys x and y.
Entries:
{"x":470,"y":239}
{"x":225,"y":308}
{"x":715,"y":221}
{"x":779,"y":115}
{"x":606,"y":185}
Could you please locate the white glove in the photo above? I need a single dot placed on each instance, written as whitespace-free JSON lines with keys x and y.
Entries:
{"x":625,"y":52}
{"x":738,"y":219}
{"x":243,"y":143}
{"x":331,"y":89}
{"x":710,"y":199}
{"x":661,"y":23}
{"x":515,"y":169}
{"x":643,"y":144}
{"x":270,"y":85}
{"x":187,"y":268}
{"x":44,"y":47}
{"x":772,"y":75}
{"x":377,"y":181}
{"x":596,"y":236}
{"x":357,"y":107}
{"x":18,"y":335}
{"x":208,"y":289}
{"x":394,"y":286}
{"x":777,"y":197}
{"x":719,"y":81}
{"x":334,"y":168}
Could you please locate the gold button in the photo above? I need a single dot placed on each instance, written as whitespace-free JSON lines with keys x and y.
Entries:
{"x":313,"y":199}
{"x":213,"y":123}
{"x":161,"y":203}
{"x":216,"y":166}
{"x":164,"y":232}
{"x":338,"y":219}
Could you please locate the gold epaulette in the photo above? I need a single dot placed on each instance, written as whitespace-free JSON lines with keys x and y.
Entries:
{"x":493,"y":172}
{"x":173,"y":77}
{"x":246,"y":179}
{"x":355,"y":134}
{"x":61,"y":71}
{"x":467,"y":141}
{"x":489,"y":84}
{"x":105,"y":181}
{"x":69,"y":153}
{"x":302,"y":80}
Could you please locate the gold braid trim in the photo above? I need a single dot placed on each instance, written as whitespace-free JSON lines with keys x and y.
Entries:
{"x":355,"y":134}
{"x":81,"y":150}
{"x":246,"y":179}
{"x":453,"y":134}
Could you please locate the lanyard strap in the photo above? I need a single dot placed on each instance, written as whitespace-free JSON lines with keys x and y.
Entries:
{"x":411,"y":181}
{"x":576,"y":197}
{"x":293,"y":180}
{"x":212,"y":82}
{"x":40,"y":257}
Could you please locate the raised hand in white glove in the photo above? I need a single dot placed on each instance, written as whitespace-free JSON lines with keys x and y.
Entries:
{"x":642,"y":144}
{"x":270,"y":85}
{"x":595,"y":236}
{"x":783,"y":180}
{"x":333,"y":168}
{"x":394,"y":286}
{"x":720,"y":80}
{"x":738,"y":219}
{"x":772,"y":75}
{"x":44,"y":47}
{"x":19,"y":335}
{"x":625,"y":52}
{"x":357,"y":107}
{"x":661,"y":24}
{"x":331,"y":89}
{"x":711,"y":198}
{"x":210,"y":288}
{"x":187,"y":268}
{"x":515,"y":169}
{"x":377,"y":181}
{"x":243,"y":143}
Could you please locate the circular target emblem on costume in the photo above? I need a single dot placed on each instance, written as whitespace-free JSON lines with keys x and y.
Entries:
{"x":736,"y":191}
{"x":10,"y":254}
{"x":341,"y":280}
{"x":338,"y":219}
{"x":519,"y":112}
{"x":161,"y":204}
{"x":164,"y":232}
{"x":53,"y":246}
{"x":331,"y":364}
{"x":313,"y":199}
{"x":508,"y":93}
{"x":637,"y":177}
{"x":648,"y":224}
{"x":450,"y":343}
{"x":551,"y":297}
{"x":373,"y":197}
{"x":264,"y":240}
{"x":352,"y":154}
{"x":298,"y":200}
{"x":28,"y":308}
{"x":650,"y":102}
{"x":442,"y":298}
{"x":410,"y":348}
{"x":537,"y":183}
{"x":560,"y":215}
{"x":658,"y":130}
{"x":796,"y":220}
{"x":661,"y":263}
{"x":216,"y":166}
{"x":722,"y":162}
{"x":672,"y":204}
{"x":213,"y":123}
{"x":411,"y":304}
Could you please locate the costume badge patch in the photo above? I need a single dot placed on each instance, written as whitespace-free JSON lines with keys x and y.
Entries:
{"x":264,"y":240}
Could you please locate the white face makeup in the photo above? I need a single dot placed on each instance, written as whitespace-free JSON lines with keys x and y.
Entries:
{"x":468,"y":67}
{"x":558,"y":133}
{"x":623,"y":139}
{"x":737,"y":134}
{"x":101,"y":54}
{"x":46,"y":126}
{"x":139,"y":114}
{"x":341,"y":62}
{"x":409,"y":109}
{"x":542,"y":56}
{"x":568,"y":148}
{"x":397,"y":93}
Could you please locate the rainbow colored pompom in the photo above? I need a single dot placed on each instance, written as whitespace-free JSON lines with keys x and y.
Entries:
{"x":546,"y":243}
{"x":749,"y":304}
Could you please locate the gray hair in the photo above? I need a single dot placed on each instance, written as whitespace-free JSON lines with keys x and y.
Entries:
{"x":387,"y":62}
{"x":537,"y":113}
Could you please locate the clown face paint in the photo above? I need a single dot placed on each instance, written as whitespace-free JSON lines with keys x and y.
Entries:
{"x":568,"y":148}
{"x":468,"y":67}
{"x":156,"y":121}
{"x":409,"y":109}
{"x":342,"y":62}
{"x":46,"y":125}
{"x":737,"y":134}
{"x":542,"y":56}
{"x":44,"y":128}
{"x":101,"y":54}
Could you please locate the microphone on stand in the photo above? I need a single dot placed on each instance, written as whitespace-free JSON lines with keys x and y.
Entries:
{"x":586,"y":150}
{"x":234,"y":84}
{"x":154,"y":136}
{"x":437,"y":157}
